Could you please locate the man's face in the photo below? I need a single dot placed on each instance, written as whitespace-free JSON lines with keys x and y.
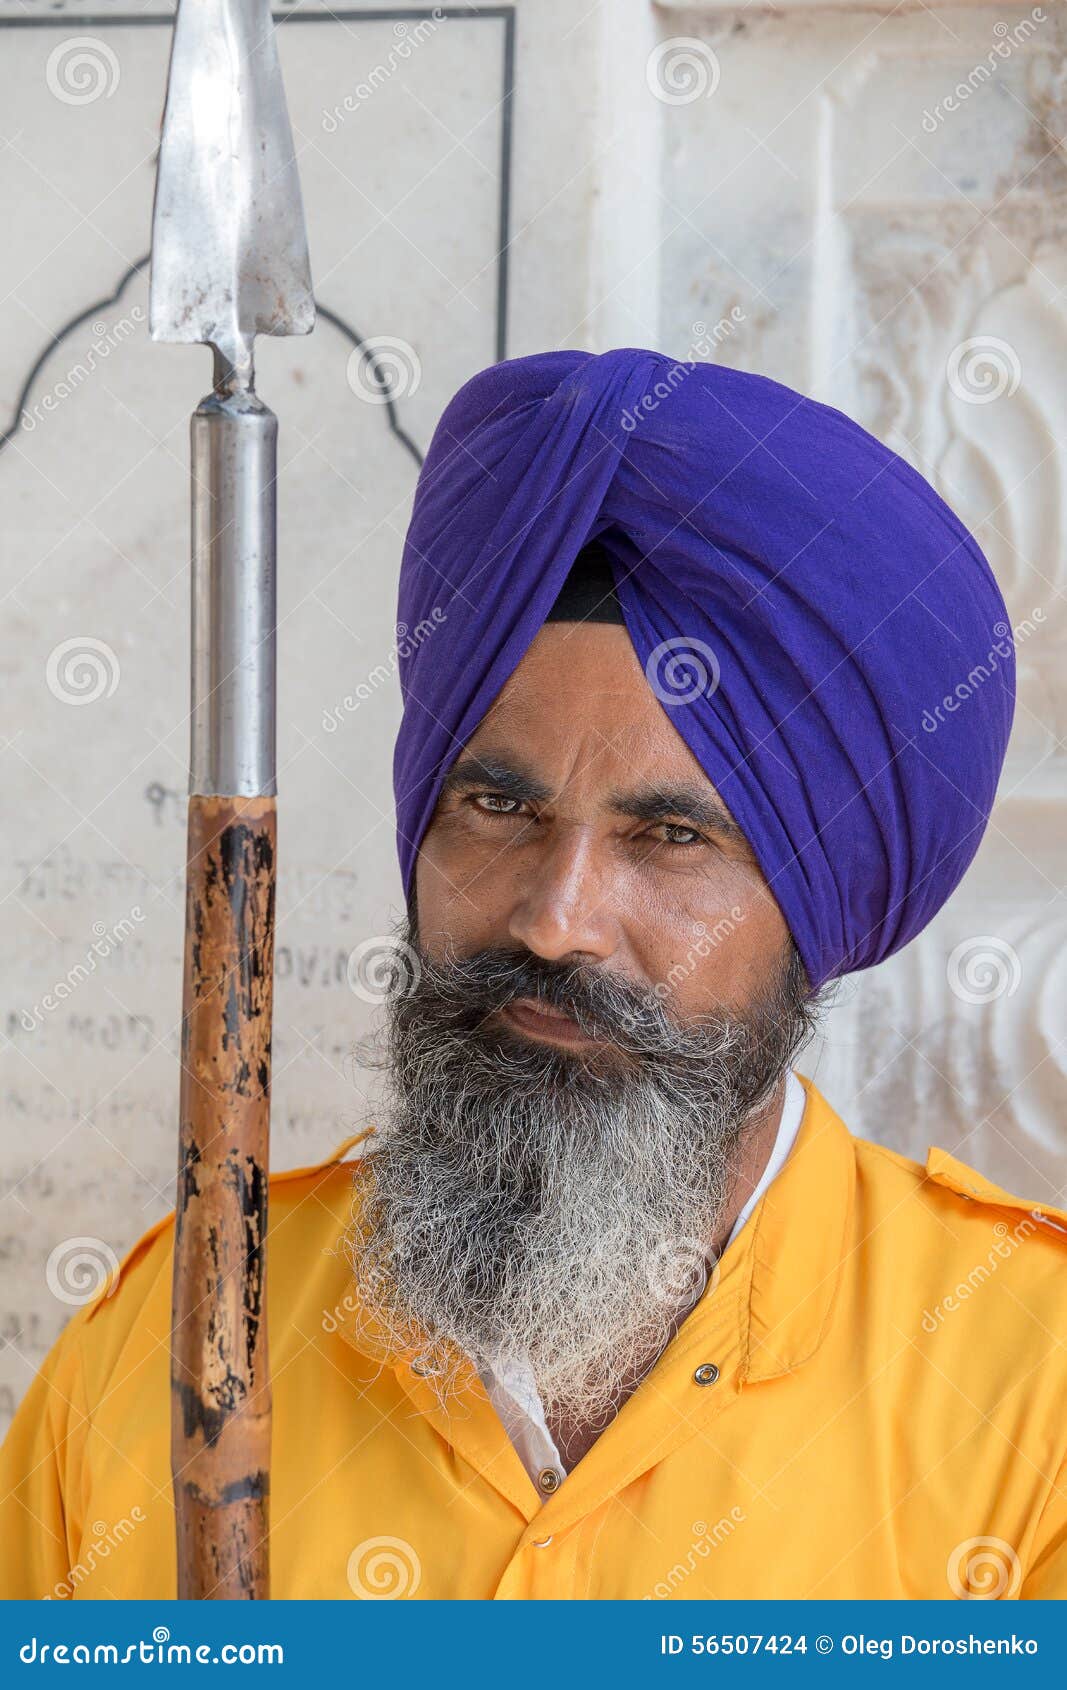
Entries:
{"x":577,"y":824}
{"x":603,"y":1000}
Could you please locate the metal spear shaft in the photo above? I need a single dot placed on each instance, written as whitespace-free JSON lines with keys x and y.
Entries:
{"x":229,"y":261}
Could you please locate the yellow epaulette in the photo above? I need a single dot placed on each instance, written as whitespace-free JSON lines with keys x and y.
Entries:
{"x":946,"y":1170}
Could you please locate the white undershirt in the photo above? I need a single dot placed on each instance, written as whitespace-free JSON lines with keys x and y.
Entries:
{"x":509,"y":1382}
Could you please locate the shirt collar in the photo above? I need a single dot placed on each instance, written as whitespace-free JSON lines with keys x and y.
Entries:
{"x":792,"y":1114}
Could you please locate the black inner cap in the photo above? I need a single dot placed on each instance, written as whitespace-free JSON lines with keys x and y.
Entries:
{"x":588,"y":593}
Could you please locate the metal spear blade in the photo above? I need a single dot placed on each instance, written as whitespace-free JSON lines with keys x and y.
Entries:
{"x":229,"y":246}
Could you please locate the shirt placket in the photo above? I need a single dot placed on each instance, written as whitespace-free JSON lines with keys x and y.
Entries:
{"x":474,"y":1431}
{"x":512,"y":1391}
{"x":694,"y":1381}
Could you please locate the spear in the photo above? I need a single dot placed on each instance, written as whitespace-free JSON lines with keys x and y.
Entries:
{"x":229,"y":261}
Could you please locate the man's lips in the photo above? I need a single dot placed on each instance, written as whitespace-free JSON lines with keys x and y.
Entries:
{"x":538,"y":1021}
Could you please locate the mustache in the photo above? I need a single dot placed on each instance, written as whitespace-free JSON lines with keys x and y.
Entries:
{"x":467,"y":990}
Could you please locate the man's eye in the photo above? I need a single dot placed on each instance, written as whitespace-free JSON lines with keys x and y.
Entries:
{"x":495,"y":804}
{"x":676,"y":833}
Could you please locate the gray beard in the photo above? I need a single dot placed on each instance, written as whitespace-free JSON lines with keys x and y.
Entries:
{"x":524,"y":1200}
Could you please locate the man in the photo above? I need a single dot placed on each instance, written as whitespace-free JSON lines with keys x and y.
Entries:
{"x":612,"y":1304}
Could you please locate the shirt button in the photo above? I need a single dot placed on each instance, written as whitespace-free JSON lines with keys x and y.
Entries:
{"x":549,"y":1480}
{"x":422,"y":1367}
{"x":706,"y":1373}
{"x":541,"y":1542}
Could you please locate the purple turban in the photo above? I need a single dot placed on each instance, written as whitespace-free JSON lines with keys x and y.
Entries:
{"x":822,"y":631}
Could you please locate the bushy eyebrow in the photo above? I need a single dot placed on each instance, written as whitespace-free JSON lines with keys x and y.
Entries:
{"x":510,"y":779}
{"x":686,"y":804}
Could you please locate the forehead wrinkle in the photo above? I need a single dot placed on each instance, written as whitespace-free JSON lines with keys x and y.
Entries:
{"x":521,"y":700}
{"x":604,"y":656}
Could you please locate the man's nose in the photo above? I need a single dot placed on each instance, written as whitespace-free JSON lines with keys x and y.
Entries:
{"x":564,"y":903}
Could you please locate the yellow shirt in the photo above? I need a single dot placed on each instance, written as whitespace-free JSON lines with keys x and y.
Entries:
{"x":888,"y":1418}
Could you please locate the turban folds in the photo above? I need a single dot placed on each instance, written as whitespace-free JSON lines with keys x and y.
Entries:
{"x":803,"y":603}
